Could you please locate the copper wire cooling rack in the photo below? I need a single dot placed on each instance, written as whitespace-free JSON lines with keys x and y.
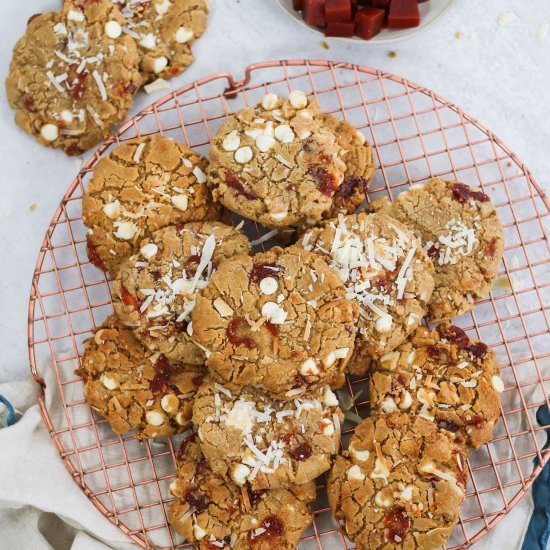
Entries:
{"x":416,"y":135}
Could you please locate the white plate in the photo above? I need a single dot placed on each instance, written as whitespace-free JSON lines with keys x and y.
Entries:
{"x":429,"y":12}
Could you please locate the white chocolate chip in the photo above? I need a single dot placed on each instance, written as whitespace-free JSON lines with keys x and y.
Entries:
{"x":306,"y":114}
{"x":298,"y":99}
{"x":244,"y":155}
{"x":108,"y":382}
{"x":75,"y":15}
{"x":341,"y":353}
{"x":384,"y":501}
{"x":388,"y":405}
{"x":49,"y":132}
{"x":361,"y":137}
{"x":183,"y":35}
{"x":222,"y":308}
{"x":149,"y":250}
{"x":199,"y":174}
{"x":327,"y":427}
{"x":384,"y":323}
{"x":309,"y":368}
{"x":169,"y":403}
{"x":67,"y":116}
{"x":232,"y":141}
{"x":329,"y":359}
{"x":360,"y":456}
{"x":407,"y":493}
{"x":113,"y":29}
{"x":180,"y":202}
{"x":284,"y":133}
{"x":199,"y":532}
{"x":148,"y":41}
{"x":162,"y":6}
{"x":159,"y":64}
{"x":240,"y":474}
{"x":355,"y":473}
{"x":278,"y":216}
{"x":240,"y":416}
{"x":125,"y":230}
{"x":274,"y":313}
{"x":269,"y":285}
{"x":112,"y":210}
{"x":406,"y":401}
{"x":389,"y":360}
{"x":264,"y":143}
{"x":154,"y":418}
{"x":330,"y":399}
{"x":497,"y":383}
{"x":304,"y":134}
{"x":60,"y":29}
{"x":270,"y":101}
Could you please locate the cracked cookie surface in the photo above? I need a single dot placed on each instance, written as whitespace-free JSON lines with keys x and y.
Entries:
{"x":444,"y":376}
{"x":143,"y":185}
{"x":278,"y":320}
{"x":385,"y":272}
{"x":164,"y":31}
{"x":400,"y":485}
{"x":251,"y":439}
{"x":284,"y":163}
{"x":135,"y":389}
{"x":213,"y":513}
{"x":462,"y":234}
{"x":73,"y":75}
{"x":155,"y":290}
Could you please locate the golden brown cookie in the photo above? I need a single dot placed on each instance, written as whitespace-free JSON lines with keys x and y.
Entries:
{"x":213,"y":513}
{"x":386,"y":273}
{"x":73,"y":75}
{"x":143,"y":185}
{"x":164,"y":31}
{"x":283,"y":163}
{"x":462,"y":234}
{"x":155,"y":290}
{"x":400,"y":485}
{"x":444,"y":376}
{"x":278,"y":320}
{"x":135,"y":389}
{"x":249,"y":438}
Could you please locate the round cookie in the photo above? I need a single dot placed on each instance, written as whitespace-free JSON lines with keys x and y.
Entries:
{"x":155,"y":290}
{"x":281,"y":164}
{"x":385,"y":272}
{"x":278,"y":320}
{"x":164,"y":31}
{"x":249,"y":438}
{"x":444,"y":376}
{"x":143,"y":185}
{"x":213,"y":513}
{"x":461,"y":232}
{"x":400,"y":485}
{"x":73,"y":75}
{"x":135,"y":389}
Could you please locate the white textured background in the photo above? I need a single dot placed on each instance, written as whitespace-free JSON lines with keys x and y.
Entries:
{"x":500,"y":75}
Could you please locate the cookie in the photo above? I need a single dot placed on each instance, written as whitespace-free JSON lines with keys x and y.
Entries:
{"x":462,"y":234}
{"x":155,"y":290}
{"x":444,"y":376}
{"x":282,"y":164}
{"x":400,"y":485}
{"x":135,"y":389}
{"x":386,"y":273}
{"x":143,"y":185}
{"x":278,"y":320}
{"x":249,"y":438}
{"x":213,"y":513}
{"x":73,"y":75}
{"x":164,"y":31}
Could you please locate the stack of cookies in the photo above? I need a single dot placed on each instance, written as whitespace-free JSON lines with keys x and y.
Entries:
{"x":75,"y":72}
{"x":244,"y":350}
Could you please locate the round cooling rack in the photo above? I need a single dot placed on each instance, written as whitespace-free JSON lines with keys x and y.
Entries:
{"x":416,"y":135}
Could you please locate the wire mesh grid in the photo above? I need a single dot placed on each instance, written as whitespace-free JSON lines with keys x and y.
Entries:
{"x":416,"y":135}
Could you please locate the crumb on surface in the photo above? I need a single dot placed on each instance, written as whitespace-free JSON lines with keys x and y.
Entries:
{"x":32,"y":207}
{"x":392,"y":53}
{"x":325,"y":44}
{"x":458,"y":35}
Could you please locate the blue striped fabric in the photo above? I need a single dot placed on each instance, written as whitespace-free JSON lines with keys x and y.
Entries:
{"x":538,"y":532}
